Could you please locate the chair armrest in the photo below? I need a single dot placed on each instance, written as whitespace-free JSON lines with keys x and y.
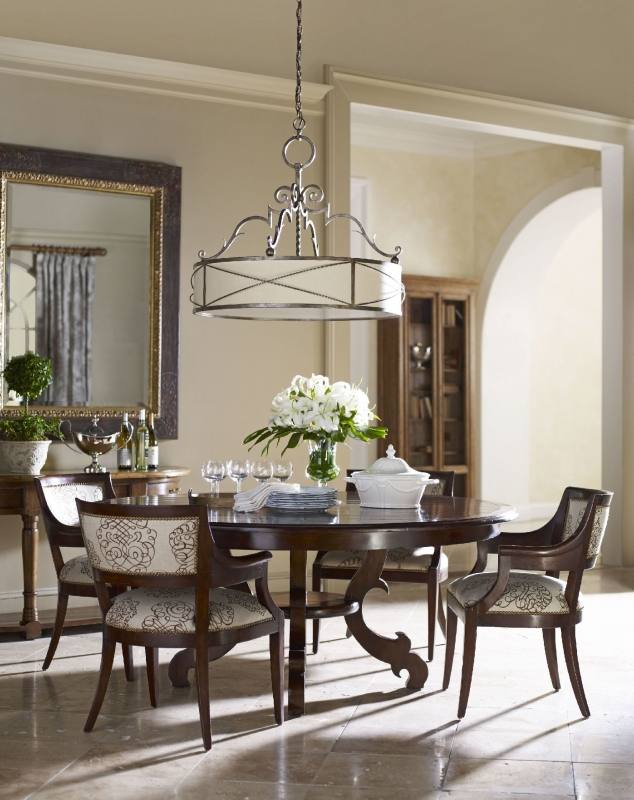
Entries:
{"x":236,"y":569}
{"x":534,"y":558}
{"x":541,"y":537}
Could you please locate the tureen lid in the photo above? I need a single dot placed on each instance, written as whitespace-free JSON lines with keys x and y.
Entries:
{"x":391,"y":465}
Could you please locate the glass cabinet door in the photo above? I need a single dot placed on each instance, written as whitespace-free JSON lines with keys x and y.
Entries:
{"x":453,"y":327}
{"x":420,"y":368}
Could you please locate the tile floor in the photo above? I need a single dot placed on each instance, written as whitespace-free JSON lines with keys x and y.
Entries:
{"x":364,"y":736}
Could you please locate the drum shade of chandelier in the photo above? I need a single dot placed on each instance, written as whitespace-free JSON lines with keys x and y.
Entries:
{"x":298,"y":287}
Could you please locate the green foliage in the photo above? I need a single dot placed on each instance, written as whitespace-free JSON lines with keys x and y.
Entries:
{"x":347,"y":429}
{"x":29,"y":428}
{"x":28,"y":375}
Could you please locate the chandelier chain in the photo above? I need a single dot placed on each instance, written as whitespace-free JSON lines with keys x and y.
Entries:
{"x":299,"y":122}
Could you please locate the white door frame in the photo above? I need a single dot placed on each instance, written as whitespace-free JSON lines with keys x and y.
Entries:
{"x":614,"y":138}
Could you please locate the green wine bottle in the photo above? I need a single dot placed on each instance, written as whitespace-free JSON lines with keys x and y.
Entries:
{"x":153,"y":445}
{"x":124,"y":444}
{"x":141,"y":444}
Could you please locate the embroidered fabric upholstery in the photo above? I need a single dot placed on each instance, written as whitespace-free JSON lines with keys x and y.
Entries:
{"x":133,"y":545}
{"x":61,"y":500}
{"x":599,"y":524}
{"x":76,"y":570}
{"x":526,"y":593}
{"x":172,"y":610}
{"x":574,"y":515}
{"x":397,"y":558}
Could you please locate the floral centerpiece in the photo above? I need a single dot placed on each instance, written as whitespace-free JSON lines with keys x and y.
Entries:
{"x":323,"y":414}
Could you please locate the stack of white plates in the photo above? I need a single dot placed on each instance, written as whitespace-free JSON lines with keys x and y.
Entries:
{"x":309,"y":498}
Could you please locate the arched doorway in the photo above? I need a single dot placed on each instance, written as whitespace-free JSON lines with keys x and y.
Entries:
{"x":541,"y":357}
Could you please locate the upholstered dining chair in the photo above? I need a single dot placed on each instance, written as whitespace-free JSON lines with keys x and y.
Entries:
{"x":526,"y":591}
{"x":425,"y":565}
{"x":56,"y":495}
{"x":177,"y":575}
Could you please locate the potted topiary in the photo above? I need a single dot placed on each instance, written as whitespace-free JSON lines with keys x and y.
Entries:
{"x":25,"y":439}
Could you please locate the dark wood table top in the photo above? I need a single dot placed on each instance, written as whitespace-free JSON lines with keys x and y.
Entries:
{"x":439,"y":520}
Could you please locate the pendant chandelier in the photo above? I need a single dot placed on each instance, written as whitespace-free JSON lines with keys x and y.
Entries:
{"x":297,"y":287}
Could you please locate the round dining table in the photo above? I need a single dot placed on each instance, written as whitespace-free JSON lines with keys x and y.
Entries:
{"x":345,"y":526}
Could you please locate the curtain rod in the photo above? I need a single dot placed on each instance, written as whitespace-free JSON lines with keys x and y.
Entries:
{"x":49,"y":248}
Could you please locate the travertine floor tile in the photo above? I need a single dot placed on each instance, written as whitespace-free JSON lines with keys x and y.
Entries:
{"x":365,"y":736}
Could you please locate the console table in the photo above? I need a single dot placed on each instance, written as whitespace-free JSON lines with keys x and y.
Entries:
{"x":17,"y":496}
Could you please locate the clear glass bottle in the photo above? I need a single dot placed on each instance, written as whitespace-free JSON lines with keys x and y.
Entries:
{"x":153,"y":445}
{"x":141,"y":443}
{"x":124,"y":444}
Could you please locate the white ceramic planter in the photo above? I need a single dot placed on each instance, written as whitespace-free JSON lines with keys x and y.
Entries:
{"x":23,"y":458}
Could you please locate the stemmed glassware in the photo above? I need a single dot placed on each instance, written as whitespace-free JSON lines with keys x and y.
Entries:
{"x":214,"y":472}
{"x":282,"y":471}
{"x":238,"y":469}
{"x":262,"y":471}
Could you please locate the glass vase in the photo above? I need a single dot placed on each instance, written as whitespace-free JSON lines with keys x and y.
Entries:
{"x":322,"y":465}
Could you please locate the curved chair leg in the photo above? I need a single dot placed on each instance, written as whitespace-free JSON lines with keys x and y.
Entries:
{"x":60,"y":615}
{"x":468,"y":657}
{"x":107,"y":657}
{"x":442,"y":621}
{"x":202,"y":682}
{"x":432,"y":604}
{"x":128,"y":662}
{"x":550,"y":646}
{"x":276,"y":649}
{"x":569,"y":640}
{"x":452,"y":625}
{"x":316,"y":586}
{"x":152,"y":667}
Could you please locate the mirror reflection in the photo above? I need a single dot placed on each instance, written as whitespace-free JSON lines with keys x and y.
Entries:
{"x":78,"y":289}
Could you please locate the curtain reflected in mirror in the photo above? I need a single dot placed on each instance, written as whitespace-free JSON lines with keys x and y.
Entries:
{"x":77,"y":290}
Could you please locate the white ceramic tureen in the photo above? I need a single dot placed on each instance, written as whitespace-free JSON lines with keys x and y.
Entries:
{"x":390,"y":483}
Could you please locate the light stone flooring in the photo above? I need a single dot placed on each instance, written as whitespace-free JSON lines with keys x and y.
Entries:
{"x":364,"y":736}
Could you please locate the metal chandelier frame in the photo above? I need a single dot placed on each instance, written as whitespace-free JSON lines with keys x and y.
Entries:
{"x":297,"y":287}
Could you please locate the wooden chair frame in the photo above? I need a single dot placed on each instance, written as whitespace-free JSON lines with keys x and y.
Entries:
{"x":542,"y":550}
{"x":60,"y":535}
{"x":216,"y":568}
{"x":433,"y":577}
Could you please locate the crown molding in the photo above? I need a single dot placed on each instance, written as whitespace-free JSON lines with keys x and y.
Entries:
{"x":154,"y":76}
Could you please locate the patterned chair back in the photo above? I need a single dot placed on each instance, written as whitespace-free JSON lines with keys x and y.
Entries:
{"x":57,"y":496}
{"x":575,"y":504}
{"x":143,"y":540}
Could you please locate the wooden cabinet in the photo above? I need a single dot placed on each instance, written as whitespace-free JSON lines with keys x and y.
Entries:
{"x":425,"y":377}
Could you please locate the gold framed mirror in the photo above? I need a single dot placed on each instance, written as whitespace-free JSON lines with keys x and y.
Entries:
{"x":89,"y":278}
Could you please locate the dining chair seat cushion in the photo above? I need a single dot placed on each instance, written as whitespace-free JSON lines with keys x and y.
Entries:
{"x":77,"y":570}
{"x":525,"y":593}
{"x":172,"y":610}
{"x":418,"y":560}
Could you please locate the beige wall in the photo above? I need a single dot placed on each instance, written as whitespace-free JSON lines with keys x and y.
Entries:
{"x":424,"y":203}
{"x":230,"y":155}
{"x":506,"y":184}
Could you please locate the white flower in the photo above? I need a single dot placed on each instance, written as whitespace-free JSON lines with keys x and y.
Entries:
{"x":315,"y":405}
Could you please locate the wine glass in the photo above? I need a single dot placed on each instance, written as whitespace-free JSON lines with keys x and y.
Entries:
{"x":262,"y":471}
{"x":214,"y":472}
{"x":282,"y":471}
{"x":238,"y":469}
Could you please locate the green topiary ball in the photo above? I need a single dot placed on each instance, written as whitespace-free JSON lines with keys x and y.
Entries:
{"x":29,"y":375}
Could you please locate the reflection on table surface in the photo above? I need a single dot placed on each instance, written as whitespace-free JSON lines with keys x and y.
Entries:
{"x":347,"y":513}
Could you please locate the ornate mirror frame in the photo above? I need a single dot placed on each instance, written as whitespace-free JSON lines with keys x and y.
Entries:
{"x":162,"y":184}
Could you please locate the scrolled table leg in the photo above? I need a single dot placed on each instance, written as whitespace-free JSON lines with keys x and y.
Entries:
{"x":395,"y":652}
{"x":185,"y":660}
